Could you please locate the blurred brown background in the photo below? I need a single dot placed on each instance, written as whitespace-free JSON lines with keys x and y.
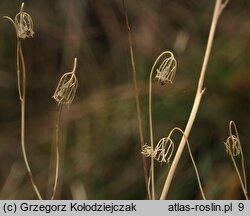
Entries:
{"x":100,"y":142}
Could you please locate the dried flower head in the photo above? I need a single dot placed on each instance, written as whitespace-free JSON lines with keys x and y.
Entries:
{"x":164,"y":149}
{"x":23,"y":24}
{"x":167,"y":69}
{"x":232,"y":144}
{"x":234,"y":149}
{"x":66,"y":88}
{"x":162,"y":152}
{"x":147,"y":151}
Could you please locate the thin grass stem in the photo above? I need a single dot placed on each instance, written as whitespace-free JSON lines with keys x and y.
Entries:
{"x":219,"y":6}
{"x":137,"y":98}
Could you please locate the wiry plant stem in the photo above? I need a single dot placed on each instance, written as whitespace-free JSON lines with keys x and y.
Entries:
{"x":64,"y":94}
{"x":191,"y":157}
{"x":23,"y":25}
{"x":57,"y":151}
{"x":22,"y":96}
{"x":219,"y":6}
{"x":151,"y":124}
{"x":193,"y":162}
{"x":232,"y":126}
{"x":137,"y":98}
{"x":243,"y":186}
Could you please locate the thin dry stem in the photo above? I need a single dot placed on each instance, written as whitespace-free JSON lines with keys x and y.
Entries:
{"x":21,"y":79}
{"x":234,"y":149}
{"x":219,"y":6}
{"x":194,"y":164}
{"x":137,"y":98}
{"x":150,"y":120}
{"x":164,"y":150}
{"x":22,"y":96}
{"x":64,"y":94}
{"x":57,"y":151}
{"x":12,"y":21}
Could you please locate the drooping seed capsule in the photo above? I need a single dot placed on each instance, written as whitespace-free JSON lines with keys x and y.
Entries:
{"x":66,"y":88}
{"x":167,"y":69}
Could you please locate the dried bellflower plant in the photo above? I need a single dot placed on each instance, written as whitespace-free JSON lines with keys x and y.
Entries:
{"x":164,"y":151}
{"x":64,"y":95}
{"x":218,"y":9}
{"x":232,"y":144}
{"x":23,"y":25}
{"x":234,"y":149}
{"x":165,"y":73}
{"x":66,"y":88}
{"x":167,"y":69}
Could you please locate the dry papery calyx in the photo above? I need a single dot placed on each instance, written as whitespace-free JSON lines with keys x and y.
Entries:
{"x":167,"y":69}
{"x":66,"y":88}
{"x":23,"y":24}
{"x":232,"y":144}
{"x":162,"y":152}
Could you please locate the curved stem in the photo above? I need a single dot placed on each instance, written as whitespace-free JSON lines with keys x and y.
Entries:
{"x":219,"y":6}
{"x":22,"y":6}
{"x":13,"y":23}
{"x":239,"y":176}
{"x":74,"y":66}
{"x":244,"y":181}
{"x":193,"y":161}
{"x":73,"y":71}
{"x":151,"y":124}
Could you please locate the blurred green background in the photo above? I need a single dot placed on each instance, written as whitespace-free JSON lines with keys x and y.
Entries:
{"x":100,"y":142}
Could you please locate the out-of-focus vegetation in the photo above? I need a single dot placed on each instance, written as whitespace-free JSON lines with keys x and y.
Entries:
{"x":100,"y":141}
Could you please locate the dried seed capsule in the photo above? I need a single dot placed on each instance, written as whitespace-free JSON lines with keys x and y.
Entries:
{"x":162,"y":152}
{"x":23,"y":24}
{"x":232,"y":145}
{"x":164,"y":148}
{"x":66,"y":88}
{"x":167,"y":69}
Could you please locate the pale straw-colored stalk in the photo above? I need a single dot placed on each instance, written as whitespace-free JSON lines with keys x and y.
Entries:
{"x":219,"y":6}
{"x":64,"y":95}
{"x":164,"y":151}
{"x":23,"y":25}
{"x":171,"y":68}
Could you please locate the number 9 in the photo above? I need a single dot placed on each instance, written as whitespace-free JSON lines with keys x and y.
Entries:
{"x":241,"y":206}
